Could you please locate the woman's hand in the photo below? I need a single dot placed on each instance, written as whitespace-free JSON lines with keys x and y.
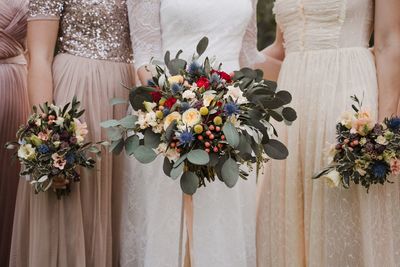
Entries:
{"x":387,"y":53}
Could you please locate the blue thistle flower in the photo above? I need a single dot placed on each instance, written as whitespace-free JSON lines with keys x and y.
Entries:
{"x":194,"y":67}
{"x":380,"y":170}
{"x":185,"y":106}
{"x":43,"y":149}
{"x":215,"y":78}
{"x":186,"y":138}
{"x":166,"y":111}
{"x":231,"y":109}
{"x":394,"y":123}
{"x":70,"y":158}
{"x":176,"y":88}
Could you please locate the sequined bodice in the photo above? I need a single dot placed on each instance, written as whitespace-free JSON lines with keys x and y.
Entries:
{"x":329,"y":24}
{"x":96,"y":29}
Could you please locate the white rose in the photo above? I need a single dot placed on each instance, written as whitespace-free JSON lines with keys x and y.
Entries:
{"x":191,"y":117}
{"x":188,"y":95}
{"x":26,"y":152}
{"x":333,"y":178}
{"x":236,"y":94}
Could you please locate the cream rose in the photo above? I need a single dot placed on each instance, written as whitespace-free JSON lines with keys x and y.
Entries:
{"x":191,"y":117}
{"x":188,"y":95}
{"x":174,"y":116}
{"x":236,"y":94}
{"x":208,"y":97}
{"x":363,"y":123}
{"x":332,"y":178}
{"x":347,"y":119}
{"x":26,"y":152}
{"x":176,"y":79}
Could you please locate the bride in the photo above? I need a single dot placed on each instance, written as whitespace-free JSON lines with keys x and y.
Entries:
{"x":224,"y":219}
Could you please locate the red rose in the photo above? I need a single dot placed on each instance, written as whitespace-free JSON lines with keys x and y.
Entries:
{"x":223,"y":75}
{"x":170,"y":102}
{"x":203,"y":82}
{"x":156,"y":96}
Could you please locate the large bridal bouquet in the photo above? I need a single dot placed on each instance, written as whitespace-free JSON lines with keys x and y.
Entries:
{"x":366,"y":152}
{"x":205,"y":122}
{"x":51,"y":146}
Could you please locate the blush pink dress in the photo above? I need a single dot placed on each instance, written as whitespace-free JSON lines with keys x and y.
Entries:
{"x":13,"y":109}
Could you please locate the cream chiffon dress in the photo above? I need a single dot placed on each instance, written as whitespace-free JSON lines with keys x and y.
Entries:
{"x":302,"y":222}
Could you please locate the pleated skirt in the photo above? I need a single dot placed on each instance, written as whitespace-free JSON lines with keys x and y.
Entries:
{"x":13,"y":112}
{"x":303,"y":222}
{"x":78,"y":229}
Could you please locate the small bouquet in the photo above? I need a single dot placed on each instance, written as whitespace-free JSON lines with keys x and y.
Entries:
{"x":205,"y":122}
{"x":52,"y":145}
{"x":366,"y":152}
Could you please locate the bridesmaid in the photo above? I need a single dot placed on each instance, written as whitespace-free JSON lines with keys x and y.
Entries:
{"x":326,"y":59}
{"x":13,"y":108}
{"x":93,"y":55}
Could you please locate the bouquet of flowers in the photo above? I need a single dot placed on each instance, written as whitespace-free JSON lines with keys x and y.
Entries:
{"x":52,"y":145}
{"x":206,"y":123}
{"x":366,"y":152}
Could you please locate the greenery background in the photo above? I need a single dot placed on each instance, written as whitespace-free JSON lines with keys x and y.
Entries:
{"x":266,"y":23}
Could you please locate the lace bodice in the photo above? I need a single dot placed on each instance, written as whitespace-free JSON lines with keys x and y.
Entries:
{"x":161,"y":25}
{"x":89,"y":28}
{"x":330,"y":24}
{"x":12,"y":27}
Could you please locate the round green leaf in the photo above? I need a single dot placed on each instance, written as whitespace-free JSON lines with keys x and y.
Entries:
{"x":144,"y":154}
{"x":176,"y":172}
{"x":189,"y":183}
{"x":289,"y":114}
{"x":276,"y":150}
{"x":114,"y":134}
{"x":117,"y":146}
{"x":230,"y":172}
{"x":202,"y":46}
{"x":198,"y":157}
{"x":285,"y":96}
{"x":109,"y":124}
{"x":167,"y":166}
{"x":131,"y":144}
{"x":151,"y":139}
{"x":231,"y":134}
{"x":129,"y":121}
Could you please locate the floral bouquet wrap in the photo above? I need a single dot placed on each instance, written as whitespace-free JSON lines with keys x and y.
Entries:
{"x":51,"y":146}
{"x":206,"y":123}
{"x":366,"y":152}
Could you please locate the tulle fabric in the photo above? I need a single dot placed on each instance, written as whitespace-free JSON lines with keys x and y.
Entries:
{"x":13,"y":110}
{"x":302,"y":222}
{"x":76,"y":230}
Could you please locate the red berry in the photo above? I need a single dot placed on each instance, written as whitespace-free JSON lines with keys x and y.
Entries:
{"x":215,"y":149}
{"x":173,"y":145}
{"x":200,"y":137}
{"x":218,"y":129}
{"x":207,"y":144}
{"x":211,"y":127}
{"x":52,"y":117}
{"x":207,"y":150}
{"x":356,"y":142}
{"x":222,"y":137}
{"x":346,"y":141}
{"x":211,"y":137}
{"x":208,"y":132}
{"x":178,"y":150}
{"x":220,"y":145}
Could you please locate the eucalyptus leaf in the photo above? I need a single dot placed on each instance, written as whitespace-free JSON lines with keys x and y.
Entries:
{"x":117,"y":101}
{"x":189,"y":183}
{"x":117,"y":146}
{"x":129,"y":121}
{"x":231,"y":134}
{"x":285,"y":96}
{"x":114,"y":134}
{"x":170,"y":130}
{"x":230,"y":173}
{"x":176,"y":172}
{"x":180,"y":160}
{"x":151,"y":139}
{"x":202,"y":46}
{"x":198,"y":157}
{"x":276,"y":150}
{"x":289,"y":114}
{"x":109,"y":123}
{"x":144,"y":154}
{"x":131,"y":144}
{"x":167,"y":166}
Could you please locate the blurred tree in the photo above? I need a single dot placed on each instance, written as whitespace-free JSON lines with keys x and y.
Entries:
{"x":266,"y":23}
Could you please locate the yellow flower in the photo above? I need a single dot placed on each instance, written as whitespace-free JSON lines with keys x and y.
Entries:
{"x":175,"y":79}
{"x":26,"y":152}
{"x":191,"y":117}
{"x":149,"y":106}
{"x":35,"y":140}
{"x":174,"y":116}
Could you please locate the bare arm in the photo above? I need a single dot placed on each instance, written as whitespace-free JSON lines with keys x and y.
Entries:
{"x":387,"y":53}
{"x":42,"y":36}
{"x":274,"y":55}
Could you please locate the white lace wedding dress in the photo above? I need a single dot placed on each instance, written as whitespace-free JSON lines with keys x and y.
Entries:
{"x":224,"y":219}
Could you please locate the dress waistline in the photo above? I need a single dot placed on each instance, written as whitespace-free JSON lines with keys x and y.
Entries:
{"x":329,"y":50}
{"x":18,"y":60}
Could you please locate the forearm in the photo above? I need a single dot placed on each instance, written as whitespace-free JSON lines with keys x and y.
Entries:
{"x":144,"y":74}
{"x":271,"y":66}
{"x":40,"y":82}
{"x":388,"y":72}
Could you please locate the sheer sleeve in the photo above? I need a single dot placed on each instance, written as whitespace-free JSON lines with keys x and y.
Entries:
{"x":45,"y":9}
{"x":144,"y":20}
{"x":250,"y":55}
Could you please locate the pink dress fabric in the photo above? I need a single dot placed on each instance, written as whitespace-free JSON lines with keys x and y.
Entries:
{"x":13,"y":109}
